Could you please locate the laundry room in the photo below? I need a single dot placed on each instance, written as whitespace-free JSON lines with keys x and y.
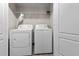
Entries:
{"x":30,"y":29}
{"x":39,"y":29}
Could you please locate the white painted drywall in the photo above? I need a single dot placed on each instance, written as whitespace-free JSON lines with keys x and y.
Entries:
{"x":11,"y":16}
{"x":51,"y":15}
{"x":12,"y":19}
{"x":34,"y":13}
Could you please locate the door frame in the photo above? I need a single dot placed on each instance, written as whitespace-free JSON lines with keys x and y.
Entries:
{"x":55,"y":30}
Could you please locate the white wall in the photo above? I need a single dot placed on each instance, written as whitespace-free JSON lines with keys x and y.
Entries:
{"x":51,"y":15}
{"x":11,"y":16}
{"x":12,"y":6}
{"x":12,"y":19}
{"x":34,"y":13}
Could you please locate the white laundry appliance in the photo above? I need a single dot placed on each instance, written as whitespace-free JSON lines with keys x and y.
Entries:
{"x":21,"y":41}
{"x":42,"y":39}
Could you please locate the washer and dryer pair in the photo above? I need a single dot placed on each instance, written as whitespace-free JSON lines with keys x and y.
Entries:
{"x":21,"y":40}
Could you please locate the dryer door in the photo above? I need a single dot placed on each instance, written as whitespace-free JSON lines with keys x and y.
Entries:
{"x":21,"y":39}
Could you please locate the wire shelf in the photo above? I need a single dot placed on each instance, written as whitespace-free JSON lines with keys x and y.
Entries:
{"x":32,"y":13}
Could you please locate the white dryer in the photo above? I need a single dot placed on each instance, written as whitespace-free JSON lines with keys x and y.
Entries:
{"x":21,"y":41}
{"x":42,"y":39}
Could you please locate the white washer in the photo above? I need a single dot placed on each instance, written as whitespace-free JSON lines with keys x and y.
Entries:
{"x":21,"y":41}
{"x":42,"y":39}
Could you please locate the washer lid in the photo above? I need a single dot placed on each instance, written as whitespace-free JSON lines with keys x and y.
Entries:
{"x":25,"y":27}
{"x":41,"y":26}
